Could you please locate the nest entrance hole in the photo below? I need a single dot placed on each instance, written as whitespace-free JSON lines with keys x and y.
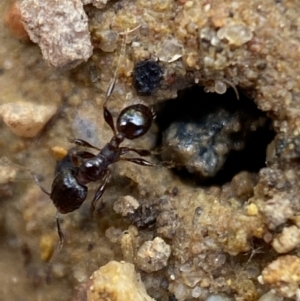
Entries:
{"x":211,"y":137}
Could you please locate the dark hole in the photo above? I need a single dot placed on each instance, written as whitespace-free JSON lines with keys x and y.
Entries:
{"x":212,"y":137}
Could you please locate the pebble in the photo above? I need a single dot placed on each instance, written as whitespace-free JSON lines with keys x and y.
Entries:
{"x":282,"y":275}
{"x":26,"y":119}
{"x":117,"y":281}
{"x":287,"y":240}
{"x":277,"y":210}
{"x":46,"y":247}
{"x":7,"y":174}
{"x":126,"y":205}
{"x":59,"y":152}
{"x":252,"y":209}
{"x":61,"y":30}
{"x":169,"y":50}
{"x":270,"y":296}
{"x":237,"y":35}
{"x":153,"y":255}
{"x":242,"y":184}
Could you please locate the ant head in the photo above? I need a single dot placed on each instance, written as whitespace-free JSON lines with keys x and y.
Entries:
{"x":134,"y":121}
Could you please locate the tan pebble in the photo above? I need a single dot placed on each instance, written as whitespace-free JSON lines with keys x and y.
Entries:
{"x":7,"y":174}
{"x":283,"y":275}
{"x":287,"y":240}
{"x":189,"y":4}
{"x":153,"y":255}
{"x":252,"y":210}
{"x":205,"y":282}
{"x":126,"y":205}
{"x":242,"y":184}
{"x":46,"y":247}
{"x":59,"y":152}
{"x":26,"y":119}
{"x":117,"y":281}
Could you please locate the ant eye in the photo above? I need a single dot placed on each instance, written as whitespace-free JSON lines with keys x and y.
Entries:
{"x":134,"y":121}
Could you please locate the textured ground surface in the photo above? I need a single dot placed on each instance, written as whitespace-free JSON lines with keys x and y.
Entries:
{"x":223,"y":238}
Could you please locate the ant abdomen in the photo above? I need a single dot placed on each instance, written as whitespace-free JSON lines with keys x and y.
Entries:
{"x":66,"y":193}
{"x":134,"y":121}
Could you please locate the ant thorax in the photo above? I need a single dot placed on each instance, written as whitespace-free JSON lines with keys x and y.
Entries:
{"x":92,"y":170}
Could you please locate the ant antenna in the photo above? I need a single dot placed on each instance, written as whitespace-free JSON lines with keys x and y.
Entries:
{"x":122,"y":52}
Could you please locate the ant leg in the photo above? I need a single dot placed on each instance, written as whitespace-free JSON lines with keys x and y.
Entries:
{"x":78,"y":156}
{"x":140,"y":161}
{"x":100,"y":192}
{"x":110,"y":88}
{"x":109,"y":119}
{"x":141,"y":152}
{"x":123,"y":49}
{"x":57,"y":250}
{"x":83,"y":143}
{"x":37,"y":181}
{"x":60,"y":233}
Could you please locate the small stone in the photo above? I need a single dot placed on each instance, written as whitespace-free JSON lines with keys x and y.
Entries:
{"x":117,"y":281}
{"x":26,"y":119}
{"x":7,"y":174}
{"x":235,"y":34}
{"x":220,"y":87}
{"x":60,"y":28}
{"x":270,"y":296}
{"x":277,"y":211}
{"x":108,"y":40}
{"x":46,"y":247}
{"x":113,"y":234}
{"x":287,"y":240}
{"x":147,"y":76}
{"x":242,"y":184}
{"x":169,"y":50}
{"x":283,"y":275}
{"x":252,"y":210}
{"x":14,"y":23}
{"x":126,"y":205}
{"x":153,"y":255}
{"x":59,"y":152}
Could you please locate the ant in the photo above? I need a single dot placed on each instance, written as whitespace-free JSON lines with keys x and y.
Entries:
{"x":79,"y":168}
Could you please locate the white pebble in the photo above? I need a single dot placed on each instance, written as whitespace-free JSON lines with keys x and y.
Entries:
{"x":235,"y":34}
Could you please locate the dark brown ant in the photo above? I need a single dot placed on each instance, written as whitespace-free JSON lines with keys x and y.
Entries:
{"x":79,"y":168}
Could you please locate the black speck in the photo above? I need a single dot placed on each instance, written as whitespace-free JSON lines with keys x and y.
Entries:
{"x":147,"y":75}
{"x":175,"y":191}
{"x":1,"y":71}
{"x":90,"y":247}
